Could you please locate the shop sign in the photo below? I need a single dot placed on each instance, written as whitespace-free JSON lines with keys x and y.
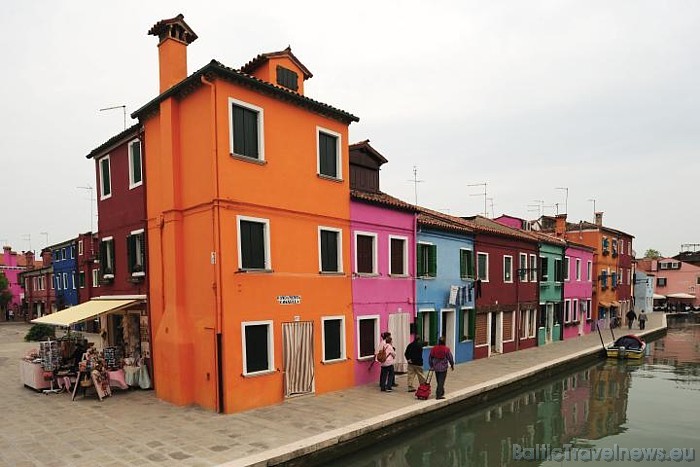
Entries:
{"x":289,"y":299}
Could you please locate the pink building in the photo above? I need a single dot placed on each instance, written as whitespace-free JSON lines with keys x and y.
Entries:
{"x":382,"y":258}
{"x":578,"y":289}
{"x":11,"y":264}
{"x":677,"y":281}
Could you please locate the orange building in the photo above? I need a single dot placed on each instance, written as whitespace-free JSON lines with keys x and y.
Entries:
{"x":248,"y":211}
{"x":605,"y":271}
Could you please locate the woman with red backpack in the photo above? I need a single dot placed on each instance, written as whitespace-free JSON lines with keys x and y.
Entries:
{"x":440,"y":359}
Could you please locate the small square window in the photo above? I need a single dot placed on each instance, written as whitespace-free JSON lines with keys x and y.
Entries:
{"x":368,"y":335}
{"x":330,"y":247}
{"x":398,"y":263}
{"x":257,"y":347}
{"x":253,"y":243}
{"x":426,"y":260}
{"x":329,"y":162}
{"x":246,"y":132}
{"x":287,"y":78}
{"x":333,"y":338}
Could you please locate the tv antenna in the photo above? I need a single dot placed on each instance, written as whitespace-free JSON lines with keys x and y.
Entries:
{"x":46,"y":238}
{"x":415,"y":182}
{"x":123,"y":107}
{"x":486,"y":212}
{"x":566,"y":199}
{"x":593,"y":199}
{"x":89,"y":188}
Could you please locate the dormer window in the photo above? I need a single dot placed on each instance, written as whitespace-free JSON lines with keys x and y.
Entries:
{"x":287,"y":78}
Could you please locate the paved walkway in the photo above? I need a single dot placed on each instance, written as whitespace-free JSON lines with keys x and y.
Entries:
{"x":134,"y":428}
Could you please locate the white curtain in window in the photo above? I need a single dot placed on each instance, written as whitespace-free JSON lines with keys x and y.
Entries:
{"x":298,"y":342}
{"x":399,"y":327}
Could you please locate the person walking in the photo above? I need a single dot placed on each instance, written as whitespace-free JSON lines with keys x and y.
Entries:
{"x":386,"y":375}
{"x":440,"y":359}
{"x":414,"y":357}
{"x":631,"y":316}
{"x":642,"y":319}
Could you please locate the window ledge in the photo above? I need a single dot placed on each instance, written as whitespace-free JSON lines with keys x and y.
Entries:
{"x":431,"y":278}
{"x":331,"y":273}
{"x":329,"y":178}
{"x":368,"y":358}
{"x":367,"y":274}
{"x":333,"y":362}
{"x":258,"y":373}
{"x":138,"y":274}
{"x":399,"y":276}
{"x":262,"y":271}
{"x":248,"y":159}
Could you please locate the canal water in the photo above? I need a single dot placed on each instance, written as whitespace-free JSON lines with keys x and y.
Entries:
{"x":611,"y":413}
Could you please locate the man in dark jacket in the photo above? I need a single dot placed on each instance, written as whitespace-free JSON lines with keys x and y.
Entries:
{"x":414,"y":357}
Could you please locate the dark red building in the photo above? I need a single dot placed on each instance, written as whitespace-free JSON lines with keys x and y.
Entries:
{"x":37,"y":282}
{"x":507,"y":291}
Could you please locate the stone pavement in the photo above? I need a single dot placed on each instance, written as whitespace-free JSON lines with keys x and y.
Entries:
{"x":135,"y":428}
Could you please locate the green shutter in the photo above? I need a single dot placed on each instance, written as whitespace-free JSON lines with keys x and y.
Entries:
{"x":420,"y":263}
{"x":433,"y":328}
{"x":472,"y":324}
{"x":462,"y":267}
{"x":432,"y":261}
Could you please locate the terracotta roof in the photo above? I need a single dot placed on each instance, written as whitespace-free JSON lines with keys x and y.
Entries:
{"x":258,"y":61}
{"x":217,"y":69}
{"x":439,"y":220}
{"x":381,"y":199}
{"x":585,"y":225}
{"x":489,"y":226}
{"x":365,"y":147}
{"x":114,"y":141}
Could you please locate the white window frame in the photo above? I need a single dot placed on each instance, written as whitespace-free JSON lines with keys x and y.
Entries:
{"x":465,"y":323}
{"x":505,"y":281}
{"x":524,"y":324}
{"x":478,"y":270}
{"x":566,"y":268}
{"x":80,"y":248}
{"x":65,"y":280}
{"x":425,"y":313}
{"x":342,"y":338}
{"x":578,"y":269}
{"x":589,"y":309}
{"x":339,"y":247}
{"x":375,"y":266}
{"x":405,"y":255}
{"x":142,"y":245}
{"x":51,"y":279}
{"x":130,"y":144}
{"x":567,"y":310}
{"x":533,"y":323}
{"x":589,"y":271}
{"x":376,"y":335}
{"x":112,"y":257}
{"x":534,"y":265}
{"x":270,"y":347}
{"x":100,"y":170}
{"x":522,"y":265}
{"x":338,"y":153}
{"x":73,"y":279}
{"x":261,"y":128}
{"x":574,"y":310}
{"x":95,"y":277}
{"x":266,"y":233}
{"x":36,"y":283}
{"x":622,"y":246}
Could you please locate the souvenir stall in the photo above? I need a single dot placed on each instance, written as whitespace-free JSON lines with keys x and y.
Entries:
{"x":119,"y":358}
{"x":54,"y":365}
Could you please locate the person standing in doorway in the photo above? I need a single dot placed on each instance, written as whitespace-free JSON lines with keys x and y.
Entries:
{"x":631,"y":316}
{"x":414,"y":357}
{"x":440,"y":359}
{"x":642,"y":319}
{"x":386,"y":375}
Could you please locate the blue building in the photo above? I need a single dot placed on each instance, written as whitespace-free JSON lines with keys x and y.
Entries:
{"x":65,"y":273}
{"x":445,"y":283}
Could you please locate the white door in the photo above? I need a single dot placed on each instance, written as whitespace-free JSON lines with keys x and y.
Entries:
{"x":550,"y":321}
{"x":298,"y":356}
{"x":400,"y":328}
{"x":449,"y":327}
{"x":499,"y":332}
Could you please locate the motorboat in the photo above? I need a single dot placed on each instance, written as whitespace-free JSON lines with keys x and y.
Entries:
{"x":629,"y":346}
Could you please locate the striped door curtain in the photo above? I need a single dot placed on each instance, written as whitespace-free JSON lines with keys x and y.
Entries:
{"x":400,"y":329}
{"x":298,"y":342}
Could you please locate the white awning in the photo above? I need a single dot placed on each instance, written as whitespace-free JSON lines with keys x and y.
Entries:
{"x":658,"y":296}
{"x":680,"y":295}
{"x":83,"y":312}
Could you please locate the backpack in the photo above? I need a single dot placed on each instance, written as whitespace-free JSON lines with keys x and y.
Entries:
{"x":381,"y":355}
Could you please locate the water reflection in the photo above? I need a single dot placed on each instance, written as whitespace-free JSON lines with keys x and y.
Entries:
{"x":585,"y":408}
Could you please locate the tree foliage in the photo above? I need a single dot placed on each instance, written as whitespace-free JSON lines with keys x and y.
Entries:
{"x":652,"y":253}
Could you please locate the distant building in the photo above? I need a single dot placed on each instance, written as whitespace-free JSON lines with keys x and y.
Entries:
{"x":38,"y":286}
{"x":12,"y":264}
{"x":677,"y":281}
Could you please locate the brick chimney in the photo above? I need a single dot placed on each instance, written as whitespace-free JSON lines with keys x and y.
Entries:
{"x":599,"y":219}
{"x":560,"y":225}
{"x":174,"y":35}
{"x":29,"y":259}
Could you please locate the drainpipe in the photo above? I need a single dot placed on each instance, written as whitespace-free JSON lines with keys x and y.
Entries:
{"x":216,"y":241}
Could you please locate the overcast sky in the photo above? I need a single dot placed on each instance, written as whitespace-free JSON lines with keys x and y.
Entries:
{"x":599,"y":97}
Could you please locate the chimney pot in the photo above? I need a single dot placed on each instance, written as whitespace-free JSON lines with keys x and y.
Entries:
{"x":599,"y":219}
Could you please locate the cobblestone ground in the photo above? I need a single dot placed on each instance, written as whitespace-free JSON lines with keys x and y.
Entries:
{"x":135,"y":428}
